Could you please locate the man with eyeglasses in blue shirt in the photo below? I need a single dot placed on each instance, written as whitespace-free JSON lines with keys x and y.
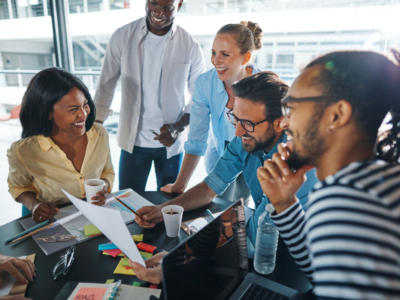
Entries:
{"x":257,"y":115}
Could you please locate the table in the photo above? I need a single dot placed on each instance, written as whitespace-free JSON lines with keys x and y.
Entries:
{"x":91,"y":266}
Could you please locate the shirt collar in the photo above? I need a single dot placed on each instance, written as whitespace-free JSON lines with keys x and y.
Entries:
{"x":145,"y":30}
{"x":46,"y":143}
{"x":220,"y":83}
{"x":264,"y":155}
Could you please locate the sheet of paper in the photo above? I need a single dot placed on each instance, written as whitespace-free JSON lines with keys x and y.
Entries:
{"x":86,"y":293}
{"x":132,"y":199}
{"x":91,"y":230}
{"x":111,"y":224}
{"x":8,"y":282}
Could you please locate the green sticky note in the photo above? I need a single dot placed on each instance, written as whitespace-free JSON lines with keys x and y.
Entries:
{"x":136,"y":283}
{"x":91,"y":230}
{"x":145,"y":255}
{"x":125,"y":262}
{"x":110,"y":281}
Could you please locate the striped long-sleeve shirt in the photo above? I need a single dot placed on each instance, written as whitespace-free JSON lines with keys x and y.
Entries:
{"x":348,"y":241}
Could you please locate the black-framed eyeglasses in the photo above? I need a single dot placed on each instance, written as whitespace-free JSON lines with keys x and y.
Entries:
{"x":65,"y":263}
{"x":247,"y":125}
{"x":289,"y":99}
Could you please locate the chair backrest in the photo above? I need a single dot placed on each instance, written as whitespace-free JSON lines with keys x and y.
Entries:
{"x":15,"y":112}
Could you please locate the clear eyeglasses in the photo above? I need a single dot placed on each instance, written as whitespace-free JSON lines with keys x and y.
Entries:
{"x":65,"y":263}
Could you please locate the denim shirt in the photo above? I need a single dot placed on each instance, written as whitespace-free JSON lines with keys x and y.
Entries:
{"x":209,"y":102}
{"x":236,"y":160}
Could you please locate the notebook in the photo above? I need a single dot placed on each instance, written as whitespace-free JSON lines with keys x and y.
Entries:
{"x":96,"y":291}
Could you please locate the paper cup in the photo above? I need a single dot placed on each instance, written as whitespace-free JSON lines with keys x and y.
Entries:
{"x":92,"y":187}
{"x":172,"y":222}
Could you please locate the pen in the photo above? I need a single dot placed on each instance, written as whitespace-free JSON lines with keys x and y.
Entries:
{"x":152,"y":131}
{"x":120,"y":201}
{"x":210,"y":214}
{"x":25,"y":232}
{"x":32,"y":233}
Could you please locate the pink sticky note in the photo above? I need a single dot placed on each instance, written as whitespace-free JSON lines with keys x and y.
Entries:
{"x":113,"y":252}
{"x":127,"y":268}
{"x":90,"y":293}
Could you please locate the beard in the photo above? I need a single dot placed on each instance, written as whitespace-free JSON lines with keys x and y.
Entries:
{"x":261,"y":144}
{"x":312,"y":145}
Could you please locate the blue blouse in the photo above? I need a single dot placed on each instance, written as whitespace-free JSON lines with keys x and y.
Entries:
{"x":209,"y":102}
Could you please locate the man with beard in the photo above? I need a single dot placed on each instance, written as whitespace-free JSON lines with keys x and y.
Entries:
{"x":156,"y":59}
{"x":348,"y":241}
{"x":257,"y":114}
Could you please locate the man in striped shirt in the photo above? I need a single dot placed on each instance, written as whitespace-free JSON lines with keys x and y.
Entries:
{"x":348,"y":241}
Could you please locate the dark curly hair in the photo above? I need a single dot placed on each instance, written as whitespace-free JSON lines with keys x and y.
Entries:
{"x":370,"y":82}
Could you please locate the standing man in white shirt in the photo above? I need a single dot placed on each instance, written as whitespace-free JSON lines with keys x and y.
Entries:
{"x":156,"y":59}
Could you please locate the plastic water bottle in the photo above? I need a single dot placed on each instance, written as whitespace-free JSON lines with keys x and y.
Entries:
{"x":266,"y":243}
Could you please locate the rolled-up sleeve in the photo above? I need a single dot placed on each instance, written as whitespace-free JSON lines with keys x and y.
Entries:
{"x":110,"y":73}
{"x":199,"y":122}
{"x":228,"y":167}
{"x":19,"y":179}
{"x":197,"y":67}
{"x":108,"y":173}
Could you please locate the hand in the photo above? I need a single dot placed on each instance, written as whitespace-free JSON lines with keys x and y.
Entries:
{"x":278,"y":182}
{"x":151,"y":214}
{"x":172,"y":188}
{"x":102,"y":195}
{"x":14,"y":298}
{"x":44,"y":211}
{"x":13,"y":266}
{"x":152,"y":273}
{"x":165,"y":137}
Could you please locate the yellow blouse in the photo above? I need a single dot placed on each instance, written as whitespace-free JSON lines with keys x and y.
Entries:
{"x":38,"y":165}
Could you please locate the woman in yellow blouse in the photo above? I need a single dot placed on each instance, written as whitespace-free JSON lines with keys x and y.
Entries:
{"x":61,"y":146}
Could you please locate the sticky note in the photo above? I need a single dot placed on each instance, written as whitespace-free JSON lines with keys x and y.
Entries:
{"x":145,"y":255}
{"x":105,"y":253}
{"x":110,"y":281}
{"x":127,"y":268}
{"x":138,"y":237}
{"x":91,"y":230}
{"x":125,"y":262}
{"x":136,"y":283}
{"x":120,"y":269}
{"x":153,"y":286}
{"x":113,"y":253}
{"x":90,"y":293}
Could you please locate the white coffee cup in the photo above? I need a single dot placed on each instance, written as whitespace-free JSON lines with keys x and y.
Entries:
{"x":92,"y":187}
{"x":172,"y":222}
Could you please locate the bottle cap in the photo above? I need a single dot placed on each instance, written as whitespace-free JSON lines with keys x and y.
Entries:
{"x":269,"y":207}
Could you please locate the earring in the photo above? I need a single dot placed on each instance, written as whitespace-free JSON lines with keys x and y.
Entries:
{"x":330,"y":129}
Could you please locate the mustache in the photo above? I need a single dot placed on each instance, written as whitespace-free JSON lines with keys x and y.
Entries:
{"x":289,"y":131}
{"x":247,"y":135}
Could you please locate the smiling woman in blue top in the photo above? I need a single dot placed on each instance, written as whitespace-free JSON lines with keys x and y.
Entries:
{"x":232,"y":54}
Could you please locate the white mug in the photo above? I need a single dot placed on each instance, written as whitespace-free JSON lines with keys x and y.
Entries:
{"x":92,"y":187}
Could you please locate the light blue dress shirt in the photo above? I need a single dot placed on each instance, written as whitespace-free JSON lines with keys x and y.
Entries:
{"x":236,"y":160}
{"x":209,"y":102}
